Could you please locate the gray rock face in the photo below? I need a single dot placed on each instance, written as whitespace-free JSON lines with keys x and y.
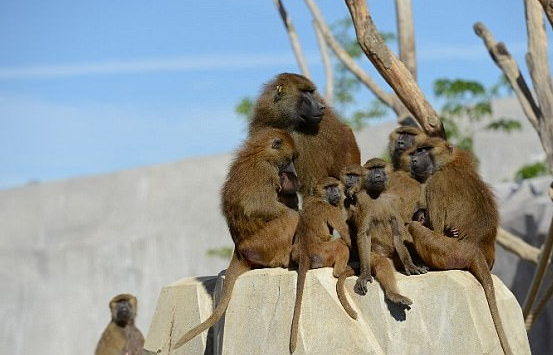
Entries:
{"x":449,"y":315}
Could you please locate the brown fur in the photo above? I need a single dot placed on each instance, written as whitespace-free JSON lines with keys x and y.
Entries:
{"x":381,"y":234}
{"x":261,"y":227}
{"x":457,"y":196}
{"x":325,"y":144}
{"x":401,"y":183}
{"x":352,"y":177}
{"x":121,"y":337}
{"x":323,"y":215}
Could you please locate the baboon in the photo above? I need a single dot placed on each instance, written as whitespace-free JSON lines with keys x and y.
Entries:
{"x":456,"y":196}
{"x":352,"y":177}
{"x":381,"y":234}
{"x":401,"y":183}
{"x":261,"y":227}
{"x":121,"y":337}
{"x":325,"y":144}
{"x":289,"y":187}
{"x":323,"y":216}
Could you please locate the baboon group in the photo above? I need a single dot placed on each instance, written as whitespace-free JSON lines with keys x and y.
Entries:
{"x":426,"y":209}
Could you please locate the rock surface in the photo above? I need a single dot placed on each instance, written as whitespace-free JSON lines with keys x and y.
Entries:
{"x":449,"y":315}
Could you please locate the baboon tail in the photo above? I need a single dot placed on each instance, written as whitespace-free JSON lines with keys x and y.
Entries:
{"x":482,"y":273}
{"x":304,"y":264}
{"x":341,"y":291}
{"x":236,"y":268}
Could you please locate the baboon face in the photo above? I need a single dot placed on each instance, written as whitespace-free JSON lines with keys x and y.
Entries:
{"x":422,"y":164}
{"x":284,"y":153}
{"x":297,"y":101}
{"x":273,"y":146}
{"x":333,"y":195}
{"x":404,"y":141}
{"x":376,"y":179}
{"x":331,"y":190}
{"x":351,"y":179}
{"x":123,"y":309}
{"x":289,"y":183}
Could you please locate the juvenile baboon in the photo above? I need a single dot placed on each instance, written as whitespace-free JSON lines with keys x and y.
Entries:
{"x":381,"y":234}
{"x":323,"y":216}
{"x":121,"y":337}
{"x":261,"y":227}
{"x":325,"y":144}
{"x":401,"y":183}
{"x":456,"y":196}
{"x":352,"y":177}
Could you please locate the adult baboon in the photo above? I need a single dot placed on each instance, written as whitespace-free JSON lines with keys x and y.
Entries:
{"x":325,"y":144}
{"x":262,"y":228}
{"x":456,"y":198}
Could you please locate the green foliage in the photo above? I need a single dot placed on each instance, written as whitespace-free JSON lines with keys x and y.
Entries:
{"x":531,"y":170}
{"x":245,"y":108}
{"x":223,"y":252}
{"x":504,"y":124}
{"x":467,"y":108}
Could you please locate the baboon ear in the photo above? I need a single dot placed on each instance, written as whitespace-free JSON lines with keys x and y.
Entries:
{"x":277,"y":143}
{"x":449,"y":147}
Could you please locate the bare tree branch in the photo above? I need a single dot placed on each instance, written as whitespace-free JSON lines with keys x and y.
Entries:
{"x":538,"y":67}
{"x":548,"y":9}
{"x":329,"y":75}
{"x":535,"y":313}
{"x":509,"y":67}
{"x":294,"y":41}
{"x":392,"y":70}
{"x":537,"y":280}
{"x":345,"y":58}
{"x":517,"y":246}
{"x":406,"y":35}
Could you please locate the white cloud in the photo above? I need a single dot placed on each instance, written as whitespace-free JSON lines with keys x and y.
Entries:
{"x":208,"y":62}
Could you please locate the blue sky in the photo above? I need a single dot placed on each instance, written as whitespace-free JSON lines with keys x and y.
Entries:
{"x":90,"y":87}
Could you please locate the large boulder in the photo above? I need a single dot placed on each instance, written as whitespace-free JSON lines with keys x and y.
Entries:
{"x":449,"y":315}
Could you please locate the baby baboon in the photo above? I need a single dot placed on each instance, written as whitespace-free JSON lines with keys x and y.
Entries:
{"x":381,"y":234}
{"x":262,"y":228}
{"x":121,"y":337}
{"x":289,"y":187}
{"x":458,"y":199}
{"x":323,"y":216}
{"x":325,"y":144}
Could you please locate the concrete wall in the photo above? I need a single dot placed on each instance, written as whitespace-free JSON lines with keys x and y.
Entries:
{"x":67,"y":247}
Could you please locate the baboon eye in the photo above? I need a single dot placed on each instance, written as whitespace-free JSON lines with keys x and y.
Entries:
{"x":277,"y":143}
